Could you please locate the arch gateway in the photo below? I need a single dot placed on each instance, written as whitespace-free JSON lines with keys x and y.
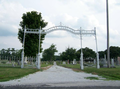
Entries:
{"x":79,"y":32}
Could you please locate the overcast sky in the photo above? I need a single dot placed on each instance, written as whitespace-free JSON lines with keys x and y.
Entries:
{"x":73,"y":13}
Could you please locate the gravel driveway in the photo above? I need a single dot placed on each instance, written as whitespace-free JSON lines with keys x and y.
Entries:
{"x":60,"y":76}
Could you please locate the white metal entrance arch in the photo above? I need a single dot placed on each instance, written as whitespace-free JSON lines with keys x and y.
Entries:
{"x":77,"y":32}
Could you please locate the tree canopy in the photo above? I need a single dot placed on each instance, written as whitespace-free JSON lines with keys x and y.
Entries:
{"x":32,"y":20}
{"x":87,"y":53}
{"x":10,"y":52}
{"x":49,"y":54}
{"x":69,"y":54}
{"x":114,"y":52}
{"x":101,"y":54}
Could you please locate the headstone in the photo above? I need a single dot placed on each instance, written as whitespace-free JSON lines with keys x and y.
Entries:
{"x":13,"y":64}
{"x":118,"y":61}
{"x":64,"y":62}
{"x":103,"y":63}
{"x":36,"y":63}
{"x":54,"y":63}
{"x":68,"y":61}
{"x":112,"y":63}
{"x":18,"y":62}
{"x":74,"y":61}
{"x":31,"y":60}
{"x":25,"y":60}
{"x":8,"y":62}
{"x":94,"y":61}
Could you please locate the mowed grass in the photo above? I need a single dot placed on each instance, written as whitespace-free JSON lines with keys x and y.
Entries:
{"x":108,"y":73}
{"x":45,"y":65}
{"x":77,"y":66}
{"x":7,"y":73}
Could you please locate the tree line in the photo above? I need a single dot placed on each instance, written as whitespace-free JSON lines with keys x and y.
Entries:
{"x":10,"y":52}
{"x":68,"y":54}
{"x":114,"y":52}
{"x":72,"y":53}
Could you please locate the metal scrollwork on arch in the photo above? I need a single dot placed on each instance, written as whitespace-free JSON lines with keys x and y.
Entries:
{"x":66,"y":28}
{"x":61,"y":28}
{"x":71,"y":30}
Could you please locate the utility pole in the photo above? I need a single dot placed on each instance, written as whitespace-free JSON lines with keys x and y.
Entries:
{"x":108,"y":50}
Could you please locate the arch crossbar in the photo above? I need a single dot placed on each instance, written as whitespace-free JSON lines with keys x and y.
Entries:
{"x":55,"y":28}
{"x":80,"y":32}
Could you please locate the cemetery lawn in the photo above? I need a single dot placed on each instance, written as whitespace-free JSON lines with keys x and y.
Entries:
{"x":10,"y":73}
{"x":45,"y":65}
{"x":108,"y":73}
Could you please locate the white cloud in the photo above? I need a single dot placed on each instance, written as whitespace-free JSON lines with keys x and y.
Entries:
{"x":75,"y":14}
{"x":95,"y":5}
{"x":10,"y":42}
{"x":10,"y":16}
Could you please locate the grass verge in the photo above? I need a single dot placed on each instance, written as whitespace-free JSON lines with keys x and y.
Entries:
{"x":92,"y":78}
{"x":108,"y":73}
{"x":7,"y":73}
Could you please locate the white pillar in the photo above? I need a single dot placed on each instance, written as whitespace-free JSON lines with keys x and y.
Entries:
{"x":81,"y":62}
{"x":98,"y":66}
{"x":22,"y":65}
{"x":22,"y":62}
{"x":38,"y":61}
{"x":39,"y":49}
{"x":97,"y":54}
{"x":81,"y":58}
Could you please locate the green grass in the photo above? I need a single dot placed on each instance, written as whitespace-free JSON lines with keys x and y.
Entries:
{"x":10,"y":65}
{"x":10,"y":73}
{"x":108,"y":73}
{"x":14,"y":73}
{"x":92,"y":78}
{"x":77,"y":66}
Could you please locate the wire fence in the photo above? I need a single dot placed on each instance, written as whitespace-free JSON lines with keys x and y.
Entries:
{"x":13,"y":61}
{"x":30,"y":62}
{"x":10,"y":61}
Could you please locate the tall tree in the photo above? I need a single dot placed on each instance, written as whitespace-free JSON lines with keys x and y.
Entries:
{"x":32,"y":20}
{"x":49,"y":54}
{"x":63,"y":56}
{"x":70,"y":53}
{"x":101,"y":54}
{"x":114,"y":51}
{"x":87,"y":52}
